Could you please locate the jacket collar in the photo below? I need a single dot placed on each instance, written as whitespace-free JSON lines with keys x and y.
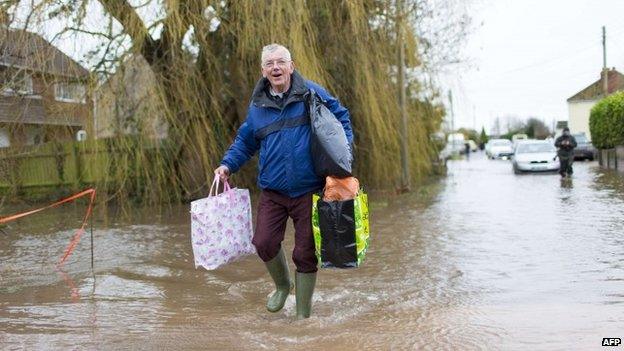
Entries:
{"x":297,"y":90}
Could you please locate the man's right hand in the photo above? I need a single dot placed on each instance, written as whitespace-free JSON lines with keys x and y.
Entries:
{"x":223,"y":172}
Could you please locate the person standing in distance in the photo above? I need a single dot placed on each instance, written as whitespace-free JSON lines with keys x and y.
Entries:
{"x":565,"y":151}
{"x":278,"y":126}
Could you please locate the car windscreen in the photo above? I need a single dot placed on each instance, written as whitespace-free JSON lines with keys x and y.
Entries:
{"x":501,"y":143}
{"x":580,"y":138}
{"x":534,"y":148}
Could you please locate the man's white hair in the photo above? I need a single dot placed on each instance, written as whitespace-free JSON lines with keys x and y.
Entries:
{"x":272,"y":48}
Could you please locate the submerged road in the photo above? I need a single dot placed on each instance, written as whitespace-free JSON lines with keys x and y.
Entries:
{"x":483,"y":259}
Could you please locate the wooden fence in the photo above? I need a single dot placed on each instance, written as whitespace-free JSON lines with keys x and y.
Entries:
{"x":612,"y":158}
{"x":53,"y":168}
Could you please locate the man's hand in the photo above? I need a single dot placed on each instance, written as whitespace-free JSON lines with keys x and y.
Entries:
{"x":223,"y":172}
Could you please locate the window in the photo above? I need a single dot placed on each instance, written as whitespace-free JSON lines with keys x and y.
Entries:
{"x":18,"y":83}
{"x":5,"y":140}
{"x":535,"y":148}
{"x":501,"y":143}
{"x":580,"y":138}
{"x":34,"y":135}
{"x":69,"y":92}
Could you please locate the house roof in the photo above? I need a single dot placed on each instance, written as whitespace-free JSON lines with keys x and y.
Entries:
{"x":594,"y":91}
{"x":25,"y":49}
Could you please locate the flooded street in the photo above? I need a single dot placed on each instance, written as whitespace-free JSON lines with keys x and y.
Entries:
{"x":484,"y":259}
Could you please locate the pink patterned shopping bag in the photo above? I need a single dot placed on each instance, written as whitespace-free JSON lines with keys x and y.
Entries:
{"x":221,"y":230}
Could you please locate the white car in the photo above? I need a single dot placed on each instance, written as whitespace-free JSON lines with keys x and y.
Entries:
{"x":453,"y":148}
{"x":498,"y":148}
{"x":535,"y":156}
{"x":473,"y":145}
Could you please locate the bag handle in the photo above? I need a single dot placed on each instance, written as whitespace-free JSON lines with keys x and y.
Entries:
{"x":215,"y":186}
{"x":215,"y":182}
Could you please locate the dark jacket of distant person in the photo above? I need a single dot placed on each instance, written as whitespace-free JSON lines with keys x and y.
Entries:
{"x":565,"y":145}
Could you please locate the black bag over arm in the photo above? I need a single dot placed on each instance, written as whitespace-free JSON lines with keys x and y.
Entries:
{"x":331,"y":153}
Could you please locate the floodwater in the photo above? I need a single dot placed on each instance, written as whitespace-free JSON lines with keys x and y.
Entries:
{"x":483,"y":259}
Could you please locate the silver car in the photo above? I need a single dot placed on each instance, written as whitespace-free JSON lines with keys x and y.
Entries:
{"x":535,"y":156}
{"x":499,"y":148}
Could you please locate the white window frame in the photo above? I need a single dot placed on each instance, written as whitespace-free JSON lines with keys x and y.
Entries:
{"x":58,"y":96}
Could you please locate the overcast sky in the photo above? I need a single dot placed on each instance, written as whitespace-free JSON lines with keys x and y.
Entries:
{"x":528,"y":56}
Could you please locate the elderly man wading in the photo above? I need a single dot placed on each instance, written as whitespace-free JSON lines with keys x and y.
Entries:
{"x":278,"y":125}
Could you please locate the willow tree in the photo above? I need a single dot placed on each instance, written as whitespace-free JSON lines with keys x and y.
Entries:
{"x":204,"y":56}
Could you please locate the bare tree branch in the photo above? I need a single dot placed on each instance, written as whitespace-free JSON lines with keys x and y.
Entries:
{"x":133,"y":25}
{"x":83,"y":31}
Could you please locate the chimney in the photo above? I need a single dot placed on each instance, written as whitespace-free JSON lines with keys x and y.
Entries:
{"x":614,"y":80}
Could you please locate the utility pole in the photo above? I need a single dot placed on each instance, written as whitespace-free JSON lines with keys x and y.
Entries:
{"x":400,"y":28}
{"x":605,"y":70}
{"x":450,"y":97}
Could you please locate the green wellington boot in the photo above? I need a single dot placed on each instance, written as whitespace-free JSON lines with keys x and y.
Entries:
{"x":304,"y":288}
{"x":278,"y":268}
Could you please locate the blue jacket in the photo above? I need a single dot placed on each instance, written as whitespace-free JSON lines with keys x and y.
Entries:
{"x":285,"y":163}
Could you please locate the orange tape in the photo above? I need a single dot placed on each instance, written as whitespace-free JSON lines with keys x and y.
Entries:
{"x":79,"y":232}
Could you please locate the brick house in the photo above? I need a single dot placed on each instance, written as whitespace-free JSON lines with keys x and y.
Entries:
{"x":581,"y":103}
{"x":43,"y":92}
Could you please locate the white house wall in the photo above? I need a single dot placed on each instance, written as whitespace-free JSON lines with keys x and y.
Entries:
{"x":578,"y":120}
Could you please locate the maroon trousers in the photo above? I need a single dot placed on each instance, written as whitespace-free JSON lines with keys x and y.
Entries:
{"x":273,"y":212}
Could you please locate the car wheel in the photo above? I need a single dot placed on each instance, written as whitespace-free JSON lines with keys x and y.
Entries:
{"x":516,"y":170}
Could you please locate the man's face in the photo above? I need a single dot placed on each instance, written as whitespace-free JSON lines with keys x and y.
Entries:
{"x":277,"y":69}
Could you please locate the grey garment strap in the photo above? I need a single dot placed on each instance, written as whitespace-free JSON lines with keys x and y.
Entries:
{"x":281,"y":124}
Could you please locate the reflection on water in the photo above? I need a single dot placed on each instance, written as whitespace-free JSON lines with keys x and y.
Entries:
{"x":489,"y":260}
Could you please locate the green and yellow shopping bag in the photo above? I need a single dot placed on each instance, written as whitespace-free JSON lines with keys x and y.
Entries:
{"x":341,"y":231}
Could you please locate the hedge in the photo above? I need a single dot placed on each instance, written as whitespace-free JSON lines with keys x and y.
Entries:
{"x":606,"y":121}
